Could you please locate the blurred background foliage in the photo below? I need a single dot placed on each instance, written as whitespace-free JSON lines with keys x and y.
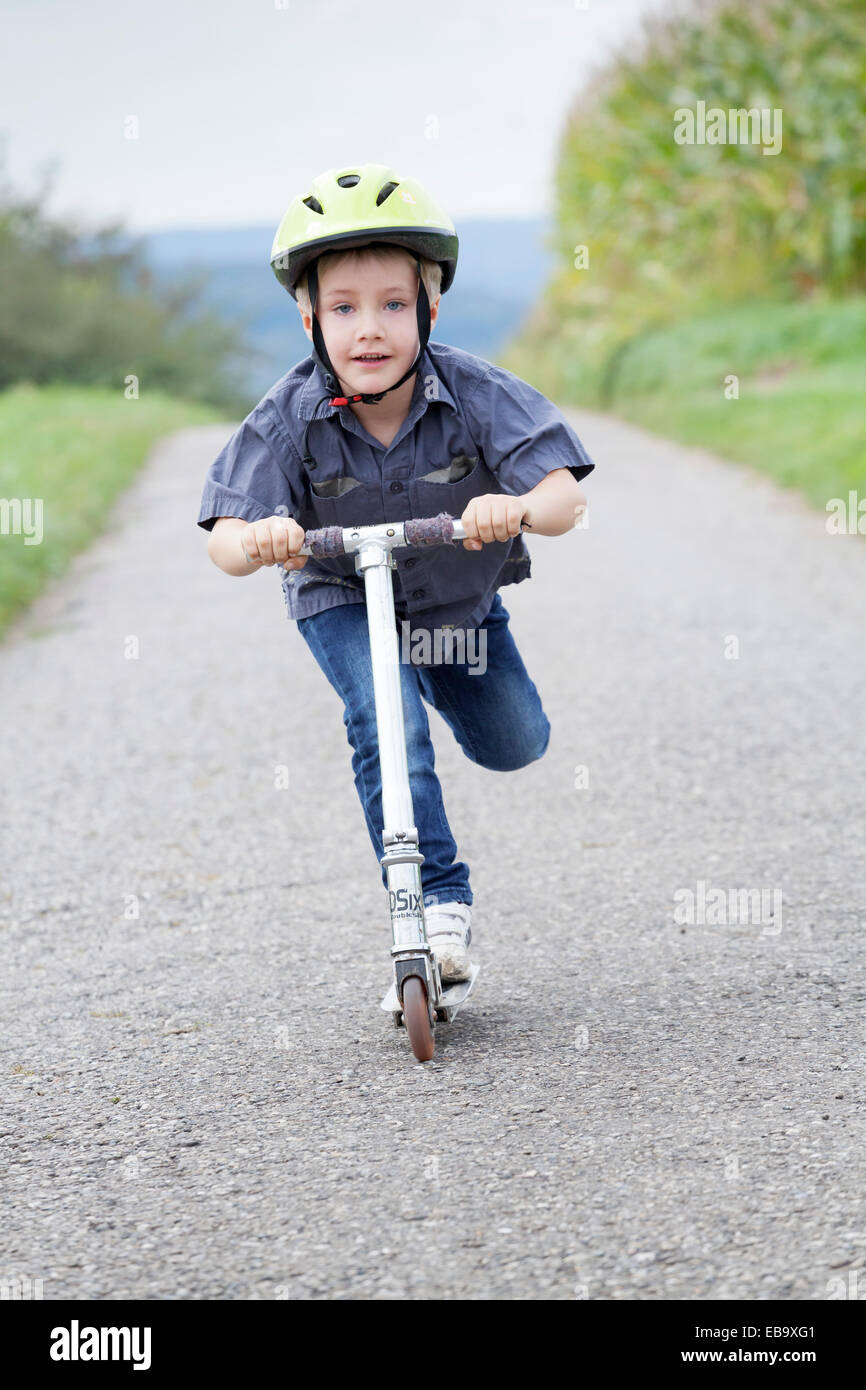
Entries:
{"x":723,"y":303}
{"x":83,"y":306}
{"x":677,"y":230}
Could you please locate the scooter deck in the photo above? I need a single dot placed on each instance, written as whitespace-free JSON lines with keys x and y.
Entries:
{"x":453,"y":998}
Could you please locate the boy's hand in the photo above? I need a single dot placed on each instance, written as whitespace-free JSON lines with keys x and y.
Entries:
{"x":493,"y":517}
{"x":274,"y":541}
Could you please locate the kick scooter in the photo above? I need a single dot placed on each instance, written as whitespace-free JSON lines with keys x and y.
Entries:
{"x":417,"y":997}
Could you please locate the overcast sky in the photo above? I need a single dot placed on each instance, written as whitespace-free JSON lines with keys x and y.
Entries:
{"x":239,"y":103}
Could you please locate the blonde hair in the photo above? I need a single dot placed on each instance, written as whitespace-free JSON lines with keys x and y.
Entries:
{"x":431,"y":271}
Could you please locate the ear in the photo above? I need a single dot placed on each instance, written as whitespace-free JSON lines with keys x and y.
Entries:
{"x":307,"y":323}
{"x":434,"y":310}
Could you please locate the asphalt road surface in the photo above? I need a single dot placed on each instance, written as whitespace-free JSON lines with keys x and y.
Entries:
{"x":656,"y":1091}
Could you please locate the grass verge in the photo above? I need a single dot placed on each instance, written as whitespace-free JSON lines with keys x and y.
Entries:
{"x":73,"y":450}
{"x":800,"y":409}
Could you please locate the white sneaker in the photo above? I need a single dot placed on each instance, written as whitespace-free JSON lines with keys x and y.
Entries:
{"x":449,"y":931}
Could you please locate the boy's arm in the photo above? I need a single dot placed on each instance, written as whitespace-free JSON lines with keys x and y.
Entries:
{"x":224,"y":546}
{"x":538,"y":459}
{"x":253,"y":478}
{"x":551,"y":508}
{"x":554,"y":505}
{"x":240,"y":547}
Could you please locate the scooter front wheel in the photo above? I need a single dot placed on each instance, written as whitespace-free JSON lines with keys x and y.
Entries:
{"x":416,"y":1016}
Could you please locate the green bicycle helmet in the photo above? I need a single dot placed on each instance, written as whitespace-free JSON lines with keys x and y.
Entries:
{"x":353,"y":207}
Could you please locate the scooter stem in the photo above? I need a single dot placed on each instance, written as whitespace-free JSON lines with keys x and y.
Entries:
{"x":402,"y":859}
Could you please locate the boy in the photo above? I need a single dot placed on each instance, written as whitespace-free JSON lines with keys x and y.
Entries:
{"x":408,"y":429}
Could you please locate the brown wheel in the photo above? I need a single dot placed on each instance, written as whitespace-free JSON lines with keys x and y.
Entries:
{"x":416,"y":1017}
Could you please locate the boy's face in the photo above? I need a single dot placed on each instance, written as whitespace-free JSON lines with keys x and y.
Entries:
{"x":366,"y":307}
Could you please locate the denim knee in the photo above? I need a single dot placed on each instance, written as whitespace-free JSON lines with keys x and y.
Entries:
{"x":518,"y":754}
{"x":543,"y":749}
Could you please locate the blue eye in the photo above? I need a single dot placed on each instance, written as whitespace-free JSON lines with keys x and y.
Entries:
{"x":337,"y":307}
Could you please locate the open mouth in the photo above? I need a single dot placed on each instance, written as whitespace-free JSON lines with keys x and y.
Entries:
{"x":371,"y":358}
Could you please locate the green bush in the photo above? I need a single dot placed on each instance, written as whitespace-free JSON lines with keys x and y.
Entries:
{"x":678,"y":230}
{"x":81,"y":306}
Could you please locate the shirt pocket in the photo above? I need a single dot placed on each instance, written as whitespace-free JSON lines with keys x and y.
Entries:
{"x":342,"y":500}
{"x":335,"y":487}
{"x":450,"y":486}
{"x":454,"y":472}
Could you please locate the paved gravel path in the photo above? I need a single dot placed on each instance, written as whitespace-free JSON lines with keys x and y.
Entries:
{"x":204,"y":1100}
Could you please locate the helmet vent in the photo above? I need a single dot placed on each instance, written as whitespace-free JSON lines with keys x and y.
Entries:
{"x":385,"y":192}
{"x":313,"y":204}
{"x":348,"y":180}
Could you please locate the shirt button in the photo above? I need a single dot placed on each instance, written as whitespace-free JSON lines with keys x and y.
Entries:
{"x":409,"y":564}
{"x":396,"y":487}
{"x":418,"y":593}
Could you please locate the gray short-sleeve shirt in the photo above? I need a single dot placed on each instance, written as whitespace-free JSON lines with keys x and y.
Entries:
{"x":472,"y":428}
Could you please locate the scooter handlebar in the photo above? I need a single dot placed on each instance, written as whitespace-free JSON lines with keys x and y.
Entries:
{"x":430,"y":530}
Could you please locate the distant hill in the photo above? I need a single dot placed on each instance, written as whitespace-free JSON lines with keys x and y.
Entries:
{"x":503,"y":268}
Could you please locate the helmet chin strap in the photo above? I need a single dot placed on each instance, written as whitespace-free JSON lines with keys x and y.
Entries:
{"x":320,"y":352}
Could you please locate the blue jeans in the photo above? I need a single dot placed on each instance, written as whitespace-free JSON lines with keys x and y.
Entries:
{"x":495,"y":715}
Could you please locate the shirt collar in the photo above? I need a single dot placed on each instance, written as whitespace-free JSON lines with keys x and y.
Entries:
{"x":429,"y":386}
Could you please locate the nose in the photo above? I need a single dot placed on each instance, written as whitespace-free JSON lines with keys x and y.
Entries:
{"x":369,"y":328}
{"x":368,"y":322}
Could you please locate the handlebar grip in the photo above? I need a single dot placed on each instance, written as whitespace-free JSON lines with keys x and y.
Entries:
{"x":327,"y":541}
{"x":432,"y":530}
